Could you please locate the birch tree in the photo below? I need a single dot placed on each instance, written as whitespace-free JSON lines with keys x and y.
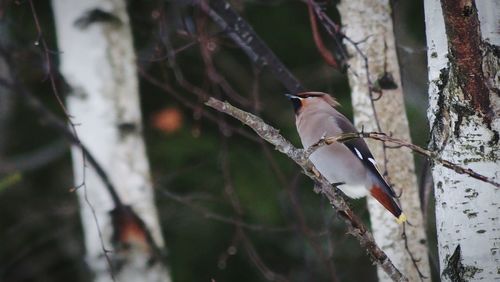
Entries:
{"x":464,"y":118}
{"x":98,"y":62}
{"x":371,"y":21}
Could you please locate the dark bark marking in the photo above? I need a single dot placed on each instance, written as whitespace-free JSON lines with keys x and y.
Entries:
{"x":126,"y":128}
{"x":461,"y":111}
{"x":494,"y":139}
{"x":442,"y":113}
{"x":456,"y":128}
{"x":456,"y":271}
{"x":468,"y":10}
{"x":494,"y":49}
{"x":465,"y":44}
{"x":454,"y":267}
{"x":96,"y":16}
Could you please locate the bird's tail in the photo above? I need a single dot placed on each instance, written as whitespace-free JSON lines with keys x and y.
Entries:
{"x":388,"y":202}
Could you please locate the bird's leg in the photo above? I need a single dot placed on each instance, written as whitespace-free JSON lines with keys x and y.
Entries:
{"x":315,"y":171}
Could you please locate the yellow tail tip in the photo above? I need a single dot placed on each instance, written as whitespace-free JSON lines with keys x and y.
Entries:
{"x":401,"y":218}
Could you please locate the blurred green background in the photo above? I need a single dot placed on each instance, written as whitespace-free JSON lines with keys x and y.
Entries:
{"x":40,"y":232}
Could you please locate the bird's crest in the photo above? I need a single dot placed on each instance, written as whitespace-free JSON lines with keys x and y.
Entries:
{"x":327,"y":98}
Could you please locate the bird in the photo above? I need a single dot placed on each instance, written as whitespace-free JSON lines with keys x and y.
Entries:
{"x":349,"y":163}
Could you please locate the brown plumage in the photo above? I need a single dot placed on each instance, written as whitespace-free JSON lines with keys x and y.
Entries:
{"x":350,"y":162}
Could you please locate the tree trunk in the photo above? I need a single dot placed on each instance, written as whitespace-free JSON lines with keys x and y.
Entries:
{"x":464,"y":118}
{"x":98,"y":62}
{"x":371,"y":20}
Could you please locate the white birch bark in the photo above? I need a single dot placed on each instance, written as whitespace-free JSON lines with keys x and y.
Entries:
{"x":98,"y":62}
{"x":467,"y":210}
{"x":371,"y":20}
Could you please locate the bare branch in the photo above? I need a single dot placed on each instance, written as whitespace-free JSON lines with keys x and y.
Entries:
{"x":243,"y":34}
{"x":430,"y":154}
{"x":48,"y":61}
{"x":355,"y":226}
{"x":401,"y":143}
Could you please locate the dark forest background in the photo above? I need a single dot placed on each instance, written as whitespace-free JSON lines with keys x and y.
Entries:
{"x":196,"y":162}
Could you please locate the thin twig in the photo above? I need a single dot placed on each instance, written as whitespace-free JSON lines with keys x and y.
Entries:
{"x":414,"y":260}
{"x":48,"y":61}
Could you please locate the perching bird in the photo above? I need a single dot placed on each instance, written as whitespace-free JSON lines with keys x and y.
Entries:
{"x":349,"y":162}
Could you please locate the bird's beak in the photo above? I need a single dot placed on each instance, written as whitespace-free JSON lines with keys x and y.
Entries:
{"x":296,"y":101}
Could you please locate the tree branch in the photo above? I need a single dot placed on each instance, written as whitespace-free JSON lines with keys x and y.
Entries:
{"x":243,"y":34}
{"x":355,"y":226}
{"x":385,"y":138}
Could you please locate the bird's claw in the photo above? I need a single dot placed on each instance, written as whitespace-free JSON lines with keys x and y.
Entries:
{"x":316,"y":171}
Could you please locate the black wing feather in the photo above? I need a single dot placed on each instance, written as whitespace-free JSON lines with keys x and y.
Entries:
{"x":359,"y":148}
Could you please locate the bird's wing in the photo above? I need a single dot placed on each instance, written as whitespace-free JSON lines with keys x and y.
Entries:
{"x":359,"y":148}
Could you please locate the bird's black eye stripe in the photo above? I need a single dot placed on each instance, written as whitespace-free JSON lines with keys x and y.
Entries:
{"x":297,"y":104}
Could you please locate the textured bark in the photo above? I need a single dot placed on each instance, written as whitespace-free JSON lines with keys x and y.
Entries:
{"x":462,"y":22}
{"x":467,"y":210}
{"x":371,"y":20}
{"x":97,"y":61}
